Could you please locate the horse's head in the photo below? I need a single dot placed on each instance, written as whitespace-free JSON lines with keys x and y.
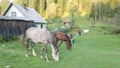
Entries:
{"x":69,"y":47}
{"x":54,"y":49}
{"x":55,"y":54}
{"x":68,"y":43}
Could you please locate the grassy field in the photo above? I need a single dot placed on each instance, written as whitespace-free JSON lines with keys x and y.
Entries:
{"x":94,"y":50}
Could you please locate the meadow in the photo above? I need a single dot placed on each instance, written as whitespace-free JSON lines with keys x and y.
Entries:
{"x":98,"y":49}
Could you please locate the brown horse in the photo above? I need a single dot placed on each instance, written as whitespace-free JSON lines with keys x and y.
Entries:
{"x":63,"y":37}
{"x":79,"y":32}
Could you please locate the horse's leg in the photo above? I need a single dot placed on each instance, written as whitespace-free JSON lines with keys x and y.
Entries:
{"x":60,"y":43}
{"x":46,"y":56}
{"x":27,"y":50}
{"x":44,"y":49}
{"x":27,"y":45}
{"x":57,"y":41}
{"x":73,"y":40}
{"x":33,"y":51}
{"x":41,"y":53}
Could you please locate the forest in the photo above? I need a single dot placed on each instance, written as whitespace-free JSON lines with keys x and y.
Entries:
{"x":101,"y":10}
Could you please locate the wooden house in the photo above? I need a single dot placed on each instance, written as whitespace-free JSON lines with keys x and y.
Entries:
{"x":67,"y":22}
{"x":17,"y":19}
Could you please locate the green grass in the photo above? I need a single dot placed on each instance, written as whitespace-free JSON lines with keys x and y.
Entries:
{"x":94,"y":50}
{"x":89,"y":51}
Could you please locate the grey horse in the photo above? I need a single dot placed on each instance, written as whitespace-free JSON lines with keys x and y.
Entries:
{"x":37,"y":35}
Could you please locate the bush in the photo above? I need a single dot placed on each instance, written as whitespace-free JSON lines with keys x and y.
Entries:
{"x":1,"y":38}
{"x":54,"y":20}
{"x":13,"y":37}
{"x":116,"y":31}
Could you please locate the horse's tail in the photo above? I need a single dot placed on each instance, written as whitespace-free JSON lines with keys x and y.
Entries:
{"x":22,"y":38}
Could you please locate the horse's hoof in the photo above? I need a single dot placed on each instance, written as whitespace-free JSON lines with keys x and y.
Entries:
{"x":47,"y":60}
{"x":41,"y":56}
{"x":34,"y":55}
{"x":56,"y":60}
{"x":26,"y":55}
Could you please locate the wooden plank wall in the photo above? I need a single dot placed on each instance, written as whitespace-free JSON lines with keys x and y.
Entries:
{"x":14,"y":27}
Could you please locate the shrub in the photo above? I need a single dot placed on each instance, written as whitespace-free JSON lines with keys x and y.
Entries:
{"x":116,"y":31}
{"x":13,"y":37}
{"x":1,"y":38}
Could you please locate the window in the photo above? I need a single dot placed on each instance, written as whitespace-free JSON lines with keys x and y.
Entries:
{"x":13,"y":14}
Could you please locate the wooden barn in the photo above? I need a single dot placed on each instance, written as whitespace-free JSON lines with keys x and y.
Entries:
{"x":17,"y":19}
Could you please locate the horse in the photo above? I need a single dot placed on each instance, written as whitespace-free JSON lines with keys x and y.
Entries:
{"x":71,"y":36}
{"x":37,"y":35}
{"x":79,"y":32}
{"x":86,"y":31}
{"x":64,"y":38}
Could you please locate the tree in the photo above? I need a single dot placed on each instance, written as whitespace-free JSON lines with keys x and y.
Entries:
{"x":36,"y":6}
{"x":3,"y":6}
{"x":0,"y":10}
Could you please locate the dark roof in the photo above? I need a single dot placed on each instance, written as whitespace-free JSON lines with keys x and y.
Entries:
{"x":29,"y":13}
{"x":13,"y":18}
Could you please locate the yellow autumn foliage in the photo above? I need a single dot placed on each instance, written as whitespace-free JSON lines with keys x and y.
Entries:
{"x":113,"y":3}
{"x":60,"y":8}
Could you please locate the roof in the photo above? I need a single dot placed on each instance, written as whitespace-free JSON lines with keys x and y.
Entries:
{"x":66,"y":20}
{"x":29,"y":13}
{"x":13,"y":18}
